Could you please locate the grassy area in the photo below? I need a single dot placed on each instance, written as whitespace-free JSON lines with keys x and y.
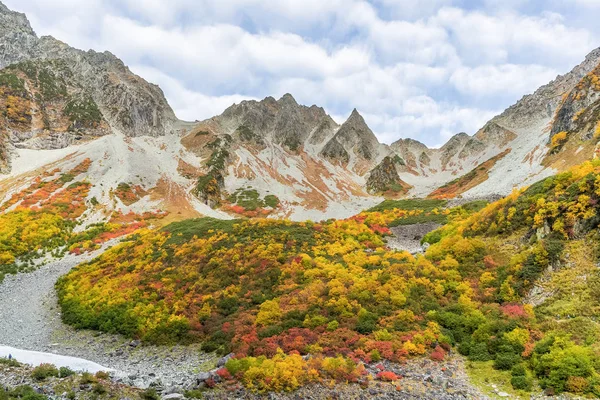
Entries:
{"x":483,"y":375}
{"x":420,"y":219}
{"x":409,"y":204}
{"x":475,"y":206}
{"x":183,"y":231}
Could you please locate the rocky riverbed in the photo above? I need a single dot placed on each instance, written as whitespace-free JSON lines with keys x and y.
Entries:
{"x":30,"y":320}
{"x":408,"y":237}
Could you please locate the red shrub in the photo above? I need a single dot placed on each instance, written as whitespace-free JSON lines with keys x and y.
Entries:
{"x":387,"y":376}
{"x":438,"y":354}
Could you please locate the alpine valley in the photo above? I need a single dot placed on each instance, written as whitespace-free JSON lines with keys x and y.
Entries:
{"x":271,"y":251}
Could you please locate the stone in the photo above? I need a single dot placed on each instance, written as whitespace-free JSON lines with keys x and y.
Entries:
{"x":204,"y":376}
{"x":173,"y":396}
{"x":223,"y":361}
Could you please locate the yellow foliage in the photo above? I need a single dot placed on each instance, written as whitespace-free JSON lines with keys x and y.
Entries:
{"x":269,"y":313}
{"x":558,"y":140}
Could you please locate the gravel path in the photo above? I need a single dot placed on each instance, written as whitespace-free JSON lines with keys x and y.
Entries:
{"x":30,"y":320}
{"x":28,"y":310}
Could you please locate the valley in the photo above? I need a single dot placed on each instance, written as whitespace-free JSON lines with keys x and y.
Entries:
{"x":272,"y":251}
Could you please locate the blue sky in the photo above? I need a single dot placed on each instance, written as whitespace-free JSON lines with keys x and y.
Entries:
{"x":424,"y":69}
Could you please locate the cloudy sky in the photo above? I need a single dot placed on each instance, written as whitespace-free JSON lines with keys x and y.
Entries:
{"x":425,"y":69}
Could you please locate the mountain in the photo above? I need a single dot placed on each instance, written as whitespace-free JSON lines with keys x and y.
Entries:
{"x":274,"y":157}
{"x":58,"y":94}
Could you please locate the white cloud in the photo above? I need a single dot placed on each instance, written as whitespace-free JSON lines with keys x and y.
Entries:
{"x":422,"y":69}
{"x":511,"y":79}
{"x":187,"y":104}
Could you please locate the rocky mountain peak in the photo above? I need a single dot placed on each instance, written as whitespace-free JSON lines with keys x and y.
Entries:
{"x":409,"y":144}
{"x":283,"y":121}
{"x":355,"y":115}
{"x":353,"y":137}
{"x":13,"y":21}
{"x":17,"y":38}
{"x":288,"y":99}
{"x":543,"y":103}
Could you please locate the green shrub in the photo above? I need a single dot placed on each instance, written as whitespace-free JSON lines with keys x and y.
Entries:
{"x":44,"y":371}
{"x":194,"y":394}
{"x":518,"y":370}
{"x":24,"y":392}
{"x":272,"y":201}
{"x":375,"y":355}
{"x":102,"y":375}
{"x":99,"y":389}
{"x":479,"y":352}
{"x":521,"y":382}
{"x":367,"y":322}
{"x":149,"y":394}
{"x":410,"y":204}
{"x":64,"y":372}
{"x":87,"y":378}
{"x":9,"y":363}
{"x":505,"y":361}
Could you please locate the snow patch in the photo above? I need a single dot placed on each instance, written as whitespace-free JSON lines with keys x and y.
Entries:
{"x":35,"y":358}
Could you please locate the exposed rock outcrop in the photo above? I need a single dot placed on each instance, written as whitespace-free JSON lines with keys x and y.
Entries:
{"x":356,"y":138}
{"x":384,"y":177}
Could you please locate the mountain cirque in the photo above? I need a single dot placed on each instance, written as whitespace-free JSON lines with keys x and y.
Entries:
{"x":271,"y":157}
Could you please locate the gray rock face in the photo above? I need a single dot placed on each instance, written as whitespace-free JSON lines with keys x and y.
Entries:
{"x":355,"y":137}
{"x":127,"y":102}
{"x":580,"y":110}
{"x":325,"y":130}
{"x":335,"y":152}
{"x":282,"y":121}
{"x":544,"y":102}
{"x":16,"y":37}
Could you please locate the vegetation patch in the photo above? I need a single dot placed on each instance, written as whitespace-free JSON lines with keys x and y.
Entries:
{"x":248,"y":202}
{"x":128,"y":193}
{"x":409,"y":204}
{"x":83,"y":112}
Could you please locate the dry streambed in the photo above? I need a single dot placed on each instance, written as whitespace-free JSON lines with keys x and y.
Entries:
{"x":30,"y":320}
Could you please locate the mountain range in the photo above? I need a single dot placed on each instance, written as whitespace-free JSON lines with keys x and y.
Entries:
{"x":275,"y":157}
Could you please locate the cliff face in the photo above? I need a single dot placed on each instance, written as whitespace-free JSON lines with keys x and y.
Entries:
{"x":44,"y":108}
{"x":126,"y":101}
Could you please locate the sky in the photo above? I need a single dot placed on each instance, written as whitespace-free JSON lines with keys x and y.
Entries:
{"x":424,"y":69}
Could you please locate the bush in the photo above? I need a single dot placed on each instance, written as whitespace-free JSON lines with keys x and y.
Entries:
{"x":64,"y":372}
{"x":102,"y":375}
{"x":99,"y":388}
{"x":194,"y":394}
{"x":505,"y":361}
{"x":87,"y":378}
{"x":44,"y":371}
{"x":577,"y":384}
{"x":387,"y":376}
{"x":24,"y":392}
{"x":518,"y":370}
{"x":521,"y":383}
{"x":149,"y":394}
{"x":479,"y":352}
{"x":375,"y":355}
{"x":9,"y":363}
